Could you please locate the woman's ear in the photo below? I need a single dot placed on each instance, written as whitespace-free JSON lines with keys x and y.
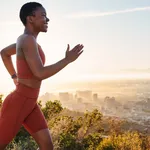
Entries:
{"x":29,"y":19}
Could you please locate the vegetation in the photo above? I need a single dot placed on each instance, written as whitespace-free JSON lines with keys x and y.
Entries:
{"x":82,"y":131}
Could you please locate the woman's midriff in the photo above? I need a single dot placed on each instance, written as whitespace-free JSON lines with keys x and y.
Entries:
{"x":33,"y":83}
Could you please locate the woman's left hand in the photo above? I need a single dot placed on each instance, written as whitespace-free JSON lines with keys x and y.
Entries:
{"x":15,"y":81}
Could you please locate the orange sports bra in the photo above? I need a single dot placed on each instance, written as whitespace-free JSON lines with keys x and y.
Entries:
{"x":23,"y":69}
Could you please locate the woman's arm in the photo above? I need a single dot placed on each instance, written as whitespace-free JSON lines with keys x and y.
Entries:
{"x":6,"y":57}
{"x":31,"y":54}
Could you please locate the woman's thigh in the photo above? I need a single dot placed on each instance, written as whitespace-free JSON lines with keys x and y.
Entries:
{"x":15,"y":109}
{"x":35,"y":121}
{"x":36,"y":125}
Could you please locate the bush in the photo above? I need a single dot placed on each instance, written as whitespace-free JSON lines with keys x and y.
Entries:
{"x":51,"y":109}
{"x":68,"y":142}
{"x":23,"y":144}
{"x":126,"y":141}
{"x":91,"y":141}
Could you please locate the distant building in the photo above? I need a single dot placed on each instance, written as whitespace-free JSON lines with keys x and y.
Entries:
{"x":111,"y":103}
{"x":47,"y":97}
{"x":64,"y":96}
{"x":95,"y":97}
{"x":129,"y":105}
{"x":71,"y":97}
{"x":79,"y":100}
{"x":148,"y":103}
{"x":84,"y":94}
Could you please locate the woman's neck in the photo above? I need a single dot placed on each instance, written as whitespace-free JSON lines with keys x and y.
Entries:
{"x":31,"y":32}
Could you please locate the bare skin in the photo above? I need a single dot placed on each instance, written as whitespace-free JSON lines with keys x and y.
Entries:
{"x":27,"y":48}
{"x":6,"y":54}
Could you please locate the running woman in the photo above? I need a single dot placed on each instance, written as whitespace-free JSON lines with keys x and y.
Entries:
{"x":20,"y":107}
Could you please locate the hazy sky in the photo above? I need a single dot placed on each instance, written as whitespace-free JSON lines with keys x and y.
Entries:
{"x":115,"y":34}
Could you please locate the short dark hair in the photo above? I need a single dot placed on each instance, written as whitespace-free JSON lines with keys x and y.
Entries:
{"x":27,"y":10}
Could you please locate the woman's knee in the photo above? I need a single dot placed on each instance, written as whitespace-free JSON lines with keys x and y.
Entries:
{"x":47,"y":145}
{"x":44,"y":140}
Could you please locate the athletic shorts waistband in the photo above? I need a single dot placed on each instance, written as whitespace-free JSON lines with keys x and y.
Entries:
{"x":27,"y":91}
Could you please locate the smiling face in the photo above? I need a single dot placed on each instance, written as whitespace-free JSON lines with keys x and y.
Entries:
{"x":38,"y":20}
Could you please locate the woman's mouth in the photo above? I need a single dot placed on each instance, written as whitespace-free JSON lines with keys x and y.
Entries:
{"x":46,"y":25}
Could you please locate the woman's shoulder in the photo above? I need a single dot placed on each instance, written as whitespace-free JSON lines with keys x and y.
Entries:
{"x":26,"y":39}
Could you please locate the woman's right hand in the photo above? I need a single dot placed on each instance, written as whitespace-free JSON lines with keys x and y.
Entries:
{"x":73,"y":54}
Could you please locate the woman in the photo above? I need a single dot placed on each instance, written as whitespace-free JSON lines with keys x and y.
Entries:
{"x":20,"y":107}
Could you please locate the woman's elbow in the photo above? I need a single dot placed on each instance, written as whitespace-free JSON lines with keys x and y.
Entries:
{"x":3,"y":54}
{"x":41,"y":73}
{"x":38,"y":75}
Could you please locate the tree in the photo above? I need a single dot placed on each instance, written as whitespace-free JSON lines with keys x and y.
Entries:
{"x":68,"y":142}
{"x":1,"y":100}
{"x":125,"y":141}
{"x":89,"y":121}
{"x":91,"y":141}
{"x":40,"y":103}
{"x":92,"y":117}
{"x":51,"y":109}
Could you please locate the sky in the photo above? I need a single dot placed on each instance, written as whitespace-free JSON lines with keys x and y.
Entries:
{"x":115,"y":35}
